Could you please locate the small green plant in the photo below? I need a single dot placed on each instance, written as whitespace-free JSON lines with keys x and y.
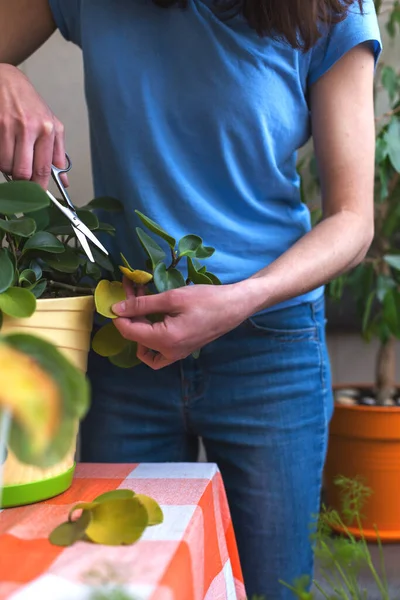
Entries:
{"x":342,"y":558}
{"x":162,"y":275}
{"x":375,"y":283}
{"x":39,"y":256}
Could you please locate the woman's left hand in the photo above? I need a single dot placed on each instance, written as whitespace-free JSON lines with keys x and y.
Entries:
{"x":193,"y":316}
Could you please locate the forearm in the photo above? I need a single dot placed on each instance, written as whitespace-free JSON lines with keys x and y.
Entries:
{"x":24,"y":26}
{"x":334,"y":246}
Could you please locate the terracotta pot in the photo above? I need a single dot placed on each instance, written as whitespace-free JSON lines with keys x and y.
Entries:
{"x":365,"y":441}
{"x":67,"y":323}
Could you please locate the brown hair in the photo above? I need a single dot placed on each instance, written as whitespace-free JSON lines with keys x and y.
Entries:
{"x":296,"y":21}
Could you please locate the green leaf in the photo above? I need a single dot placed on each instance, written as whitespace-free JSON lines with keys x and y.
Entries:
{"x":42,"y":218}
{"x":114,"y":495}
{"x":36,"y":268}
{"x":70,"y":532}
{"x":367,"y":311}
{"x":102,"y":260}
{"x":390,"y":81}
{"x":108,"y":341}
{"x":17,"y":302}
{"x":106,"y":228}
{"x":45,"y":242}
{"x":127,"y":358}
{"x":22,"y":197}
{"x":127,"y":265}
{"x":381,"y":149}
{"x":393,"y":260}
{"x":392,"y":138}
{"x":24,"y":227}
{"x":155,"y":228}
{"x":93,"y":270}
{"x":67,"y":262}
{"x":6,"y":270}
{"x":153,"y":250}
{"x":214,"y":278}
{"x":154,"y":512}
{"x":27,"y":278}
{"x":383,"y":285}
{"x":73,"y":384}
{"x":192,"y":245}
{"x":167,"y":279}
{"x":195,"y":276}
{"x":390,"y":315}
{"x":107,"y":294}
{"x":116,"y":522}
{"x":62,"y":226}
{"x":39,"y":288}
{"x":105,"y":203}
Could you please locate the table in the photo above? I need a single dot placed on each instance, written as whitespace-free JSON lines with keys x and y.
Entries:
{"x":191,"y":556}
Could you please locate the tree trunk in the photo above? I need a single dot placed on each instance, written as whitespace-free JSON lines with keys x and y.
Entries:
{"x":386,"y":372}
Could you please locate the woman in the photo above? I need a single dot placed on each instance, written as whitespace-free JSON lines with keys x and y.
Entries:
{"x":196,"y":114}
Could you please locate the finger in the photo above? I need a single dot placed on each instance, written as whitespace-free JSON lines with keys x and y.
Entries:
{"x":154,"y":360}
{"x":128,"y":288}
{"x":23,"y":157}
{"x":141,"y":331}
{"x":59,"y":157}
{"x":146,"y":305}
{"x":43,"y":155}
{"x":7,"y":148}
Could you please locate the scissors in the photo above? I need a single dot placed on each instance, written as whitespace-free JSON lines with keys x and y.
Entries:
{"x":81,"y":231}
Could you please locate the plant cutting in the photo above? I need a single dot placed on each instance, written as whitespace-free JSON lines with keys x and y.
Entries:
{"x":115,"y":518}
{"x":46,"y":288}
{"x":365,"y":431}
{"x":162,"y":274}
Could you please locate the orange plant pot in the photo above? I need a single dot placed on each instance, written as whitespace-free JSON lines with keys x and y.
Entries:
{"x":365,"y":442}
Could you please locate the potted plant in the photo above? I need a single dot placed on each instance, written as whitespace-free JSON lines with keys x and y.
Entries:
{"x":46,"y":289}
{"x":365,"y":430}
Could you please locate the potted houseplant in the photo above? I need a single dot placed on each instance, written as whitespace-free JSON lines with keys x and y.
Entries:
{"x":47,"y":286}
{"x":365,"y":430}
{"x":46,"y":289}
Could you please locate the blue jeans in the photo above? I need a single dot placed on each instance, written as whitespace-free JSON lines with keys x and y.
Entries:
{"x":260,"y":398}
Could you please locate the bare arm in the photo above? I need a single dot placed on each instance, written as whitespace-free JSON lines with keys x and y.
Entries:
{"x":24,"y":26}
{"x":31,"y":137}
{"x":343,"y":131}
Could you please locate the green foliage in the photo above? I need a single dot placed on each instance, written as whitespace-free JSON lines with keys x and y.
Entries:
{"x":53,"y":393}
{"x":342,"y":558}
{"x":115,"y":518}
{"x":375,"y":284}
{"x":163,"y":275}
{"x":39,"y":256}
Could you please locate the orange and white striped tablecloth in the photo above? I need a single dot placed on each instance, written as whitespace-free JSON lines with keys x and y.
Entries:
{"x":191,"y":556}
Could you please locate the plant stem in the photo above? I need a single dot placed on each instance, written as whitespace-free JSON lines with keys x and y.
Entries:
{"x":388,"y":114}
{"x":385,"y":371}
{"x":75,"y":289}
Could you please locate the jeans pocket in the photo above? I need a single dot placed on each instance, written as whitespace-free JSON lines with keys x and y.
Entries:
{"x":288,"y":325}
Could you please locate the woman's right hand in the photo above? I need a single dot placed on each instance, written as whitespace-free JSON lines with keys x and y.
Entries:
{"x":31,"y":137}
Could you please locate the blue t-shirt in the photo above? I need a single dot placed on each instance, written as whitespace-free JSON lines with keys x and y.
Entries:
{"x":196,"y":122}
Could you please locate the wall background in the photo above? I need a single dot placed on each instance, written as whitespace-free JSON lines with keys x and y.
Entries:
{"x":56,"y":71}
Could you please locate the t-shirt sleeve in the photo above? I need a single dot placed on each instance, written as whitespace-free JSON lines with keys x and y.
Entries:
{"x":66,"y":14}
{"x":357,"y":28}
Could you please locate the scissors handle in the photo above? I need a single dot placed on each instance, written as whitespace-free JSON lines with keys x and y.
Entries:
{"x":56,"y":172}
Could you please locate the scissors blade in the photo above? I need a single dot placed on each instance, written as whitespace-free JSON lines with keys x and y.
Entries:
{"x":77,"y":224}
{"x":86,"y":232}
{"x":84,"y":243}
